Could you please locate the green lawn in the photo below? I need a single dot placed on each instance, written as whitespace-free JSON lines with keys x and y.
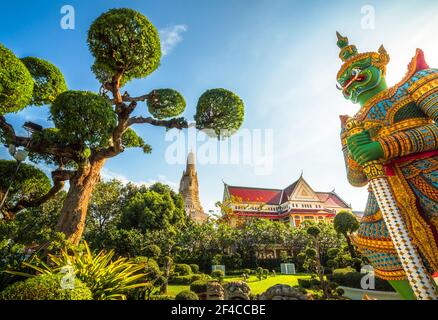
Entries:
{"x":256,"y":286}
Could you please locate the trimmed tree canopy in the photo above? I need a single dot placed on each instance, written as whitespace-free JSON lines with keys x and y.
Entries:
{"x":221,"y":111}
{"x":83,"y":116}
{"x":48,"y":80}
{"x":16,"y":84}
{"x":124,"y":40}
{"x":165,"y":103}
{"x":345,"y":223}
{"x":130,"y":139}
{"x":29,"y":183}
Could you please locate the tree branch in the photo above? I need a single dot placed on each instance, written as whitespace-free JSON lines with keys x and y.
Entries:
{"x":59,"y":177}
{"x":175,"y":123}
{"x":127,"y":98}
{"x":43,"y":147}
{"x":7,"y":128}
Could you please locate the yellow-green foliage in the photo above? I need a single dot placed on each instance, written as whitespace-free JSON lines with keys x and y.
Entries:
{"x":107,"y":279}
{"x":46,"y":287}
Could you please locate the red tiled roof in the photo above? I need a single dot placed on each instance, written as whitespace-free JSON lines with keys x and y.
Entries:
{"x":324,"y":213}
{"x":257,"y":195}
{"x":280,"y":196}
{"x":331,"y":199}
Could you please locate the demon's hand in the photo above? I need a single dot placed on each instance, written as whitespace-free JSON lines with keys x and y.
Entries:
{"x":363,"y":149}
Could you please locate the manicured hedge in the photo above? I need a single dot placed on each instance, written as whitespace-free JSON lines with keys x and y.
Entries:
{"x":186,"y":295}
{"x":348,"y":277}
{"x":186,"y":280}
{"x":194,"y":267}
{"x":308,"y":283}
{"x":199,"y":286}
{"x":46,"y":287}
{"x":183,"y":269}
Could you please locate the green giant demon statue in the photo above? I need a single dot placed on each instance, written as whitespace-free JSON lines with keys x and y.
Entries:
{"x":400,"y":132}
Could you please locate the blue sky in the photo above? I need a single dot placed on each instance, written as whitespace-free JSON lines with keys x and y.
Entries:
{"x":279,"y":56}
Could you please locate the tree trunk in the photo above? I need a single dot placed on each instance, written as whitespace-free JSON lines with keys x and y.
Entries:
{"x":350,"y":246}
{"x":74,"y":211}
{"x":320,"y":270}
{"x":168,"y":265}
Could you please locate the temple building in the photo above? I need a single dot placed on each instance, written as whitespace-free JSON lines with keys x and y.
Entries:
{"x":293,"y":205}
{"x":189,"y":189}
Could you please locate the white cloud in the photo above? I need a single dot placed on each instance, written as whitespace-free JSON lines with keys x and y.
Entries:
{"x":108,"y":174}
{"x":170,"y":37}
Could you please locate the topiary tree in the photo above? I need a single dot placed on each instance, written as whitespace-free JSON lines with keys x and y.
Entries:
{"x":314,"y":254}
{"x":48,"y":80}
{"x":183,"y":269}
{"x":346,"y":223}
{"x":199,"y":287}
{"x":152,"y":251}
{"x":30,"y":187}
{"x":16,"y":84}
{"x":218,"y":275}
{"x":186,"y":295}
{"x":46,"y":287}
{"x":91,"y":128}
{"x":195,"y":268}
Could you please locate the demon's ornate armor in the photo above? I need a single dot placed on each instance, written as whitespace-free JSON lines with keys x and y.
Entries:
{"x":403,"y":120}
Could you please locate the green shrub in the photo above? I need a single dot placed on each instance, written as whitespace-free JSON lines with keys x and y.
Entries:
{"x":247,"y":271}
{"x":199,"y":286}
{"x":186,"y":280}
{"x":304,"y":283}
{"x":218,"y":274}
{"x":200,"y":276}
{"x":308,"y":283}
{"x":332,"y":252}
{"x":181,"y":280}
{"x":183,"y":269}
{"x":194,"y":267}
{"x":349,"y":277}
{"x":16,"y":83}
{"x":46,"y":287}
{"x":332,"y":263}
{"x":186,"y":295}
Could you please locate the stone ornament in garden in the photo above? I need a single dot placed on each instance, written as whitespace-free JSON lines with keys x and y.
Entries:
{"x":237,"y":290}
{"x":215,"y":291}
{"x":282,"y":292}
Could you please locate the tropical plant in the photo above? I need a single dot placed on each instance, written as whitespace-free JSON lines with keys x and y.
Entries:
{"x":107,"y":279}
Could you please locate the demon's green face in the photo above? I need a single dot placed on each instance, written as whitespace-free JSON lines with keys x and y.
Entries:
{"x":360,"y":77}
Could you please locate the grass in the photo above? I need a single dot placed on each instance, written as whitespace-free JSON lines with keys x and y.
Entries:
{"x":257,"y":286}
